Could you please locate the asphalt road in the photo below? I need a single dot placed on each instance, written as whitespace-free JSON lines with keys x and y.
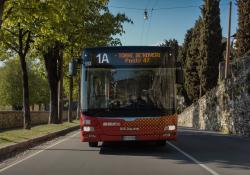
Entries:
{"x":195,"y":153}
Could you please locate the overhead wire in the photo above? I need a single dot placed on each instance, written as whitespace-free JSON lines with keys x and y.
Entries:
{"x":177,"y":7}
{"x":163,"y":8}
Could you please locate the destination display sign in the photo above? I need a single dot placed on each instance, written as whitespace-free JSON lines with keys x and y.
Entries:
{"x":122,"y":59}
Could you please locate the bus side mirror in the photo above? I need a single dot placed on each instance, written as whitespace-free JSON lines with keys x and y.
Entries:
{"x":72,"y":68}
{"x":179,"y":74}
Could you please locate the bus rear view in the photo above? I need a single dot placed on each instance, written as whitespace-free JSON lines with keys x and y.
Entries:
{"x":128,"y":94}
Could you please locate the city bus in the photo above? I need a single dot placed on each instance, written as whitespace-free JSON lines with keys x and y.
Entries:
{"x":128,"y":93}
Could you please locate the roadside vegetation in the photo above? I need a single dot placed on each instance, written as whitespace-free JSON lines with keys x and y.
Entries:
{"x":14,"y":136}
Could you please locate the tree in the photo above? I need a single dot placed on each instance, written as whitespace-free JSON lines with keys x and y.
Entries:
{"x":185,"y":46}
{"x":243,"y":33}
{"x":17,"y":35}
{"x":11,"y":78}
{"x":51,"y":58}
{"x":210,"y":45}
{"x":192,"y":62}
{"x":182,"y":57}
{"x":16,"y":38}
{"x":1,"y":11}
{"x":76,"y":27}
{"x":37,"y":78}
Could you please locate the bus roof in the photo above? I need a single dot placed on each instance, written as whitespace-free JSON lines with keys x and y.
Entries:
{"x":127,"y":48}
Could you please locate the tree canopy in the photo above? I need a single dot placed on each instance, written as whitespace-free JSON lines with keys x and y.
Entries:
{"x":210,"y":45}
{"x":192,"y":63}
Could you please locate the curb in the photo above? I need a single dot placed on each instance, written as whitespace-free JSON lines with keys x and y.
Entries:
{"x":12,"y":150}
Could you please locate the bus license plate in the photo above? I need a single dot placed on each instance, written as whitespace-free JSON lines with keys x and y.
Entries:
{"x":128,"y":138}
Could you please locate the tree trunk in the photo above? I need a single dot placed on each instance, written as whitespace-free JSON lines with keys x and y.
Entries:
{"x":60,"y":87}
{"x":50,"y":59}
{"x":26,"y":107}
{"x":1,"y":11}
{"x":53,"y":117}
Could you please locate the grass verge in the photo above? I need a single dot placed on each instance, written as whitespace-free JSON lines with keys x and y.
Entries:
{"x":10,"y":137}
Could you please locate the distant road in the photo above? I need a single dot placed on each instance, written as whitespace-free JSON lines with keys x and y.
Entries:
{"x":195,"y":153}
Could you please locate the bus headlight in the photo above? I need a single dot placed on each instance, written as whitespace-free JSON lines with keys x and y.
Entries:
{"x":170,"y":128}
{"x":87,"y":122}
{"x":88,"y":128}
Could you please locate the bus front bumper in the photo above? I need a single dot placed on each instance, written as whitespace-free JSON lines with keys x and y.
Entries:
{"x":93,"y":137}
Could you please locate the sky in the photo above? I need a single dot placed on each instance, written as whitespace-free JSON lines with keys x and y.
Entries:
{"x":164,"y":23}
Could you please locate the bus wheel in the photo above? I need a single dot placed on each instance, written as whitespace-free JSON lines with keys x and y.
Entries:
{"x":161,"y":143}
{"x":93,"y":144}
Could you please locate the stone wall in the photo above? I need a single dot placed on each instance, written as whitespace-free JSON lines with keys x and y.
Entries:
{"x":225,"y":108}
{"x":14,"y":119}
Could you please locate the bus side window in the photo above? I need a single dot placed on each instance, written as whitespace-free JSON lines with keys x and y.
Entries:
{"x":179,"y":73}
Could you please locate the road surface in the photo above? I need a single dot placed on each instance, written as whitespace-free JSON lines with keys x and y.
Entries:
{"x":195,"y":153}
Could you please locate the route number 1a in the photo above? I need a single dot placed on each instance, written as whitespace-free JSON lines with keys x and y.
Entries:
{"x":102,"y":58}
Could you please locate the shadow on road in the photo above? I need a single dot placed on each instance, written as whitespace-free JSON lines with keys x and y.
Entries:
{"x":218,"y":149}
{"x":145,"y":149}
{"x":135,"y":148}
{"x":213,"y":147}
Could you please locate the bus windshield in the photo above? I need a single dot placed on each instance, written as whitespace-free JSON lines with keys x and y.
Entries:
{"x":130,"y":92}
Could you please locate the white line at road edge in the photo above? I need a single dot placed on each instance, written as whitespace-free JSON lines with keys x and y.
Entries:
{"x":193,"y":159}
{"x":34,"y":154}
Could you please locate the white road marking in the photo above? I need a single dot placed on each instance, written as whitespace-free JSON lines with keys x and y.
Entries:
{"x":34,"y":154}
{"x":193,"y":159}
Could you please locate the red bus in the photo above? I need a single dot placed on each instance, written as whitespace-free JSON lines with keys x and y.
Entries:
{"x":128,"y":94}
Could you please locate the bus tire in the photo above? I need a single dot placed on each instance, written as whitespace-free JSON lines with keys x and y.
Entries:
{"x":93,"y":144}
{"x":161,"y":142}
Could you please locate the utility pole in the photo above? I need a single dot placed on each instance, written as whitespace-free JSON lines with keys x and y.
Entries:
{"x":228,"y":41}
